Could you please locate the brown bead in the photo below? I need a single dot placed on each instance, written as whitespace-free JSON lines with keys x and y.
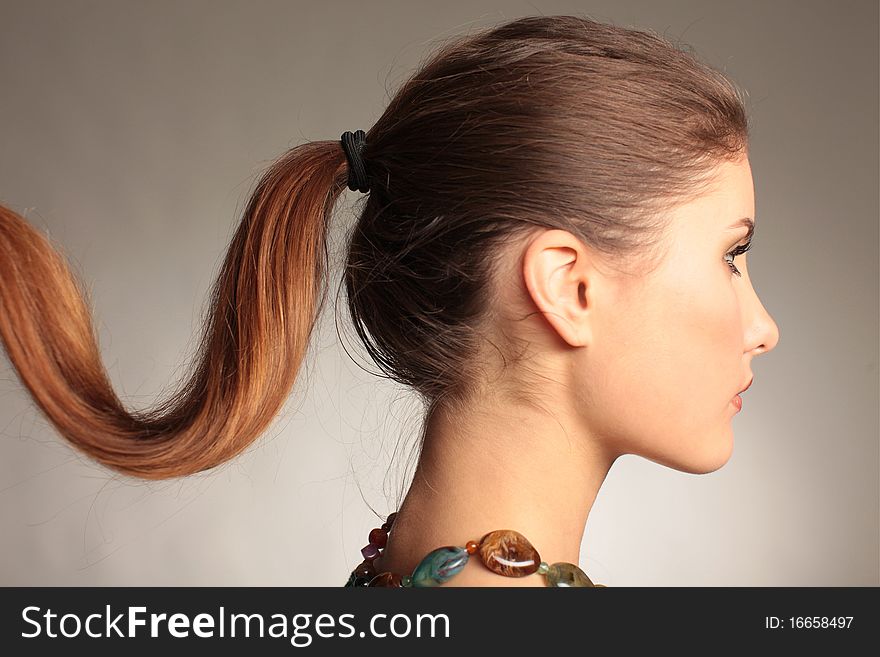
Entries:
{"x":509,"y":553}
{"x":378,"y":537}
{"x":389,"y":521}
{"x":387,"y":579}
{"x":366,"y":569}
{"x":472,"y":547}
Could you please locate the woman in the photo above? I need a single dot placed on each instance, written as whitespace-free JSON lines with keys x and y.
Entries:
{"x":550,"y":253}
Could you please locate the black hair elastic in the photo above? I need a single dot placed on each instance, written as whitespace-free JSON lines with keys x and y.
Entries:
{"x":353,"y":144}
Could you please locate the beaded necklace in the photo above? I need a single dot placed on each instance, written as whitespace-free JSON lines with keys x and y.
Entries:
{"x":502,"y":551}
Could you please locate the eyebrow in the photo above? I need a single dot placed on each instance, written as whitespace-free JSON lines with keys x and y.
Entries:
{"x":745,"y":221}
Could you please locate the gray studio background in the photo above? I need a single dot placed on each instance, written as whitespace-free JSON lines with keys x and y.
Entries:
{"x":133,"y":133}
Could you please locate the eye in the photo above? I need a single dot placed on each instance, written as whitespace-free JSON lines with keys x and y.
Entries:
{"x":742,"y":248}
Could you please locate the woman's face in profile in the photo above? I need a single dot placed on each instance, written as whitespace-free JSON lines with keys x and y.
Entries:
{"x":672,"y":348}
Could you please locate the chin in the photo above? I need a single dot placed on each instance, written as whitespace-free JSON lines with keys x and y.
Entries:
{"x":702,"y":458}
{"x":713,"y":459}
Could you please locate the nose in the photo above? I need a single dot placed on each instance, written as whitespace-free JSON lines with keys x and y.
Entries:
{"x":762,"y":333}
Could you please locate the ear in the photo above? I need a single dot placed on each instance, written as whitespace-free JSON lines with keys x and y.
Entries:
{"x":559,"y":277}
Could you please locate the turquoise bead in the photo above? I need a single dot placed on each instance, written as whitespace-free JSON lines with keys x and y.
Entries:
{"x":439,"y":565}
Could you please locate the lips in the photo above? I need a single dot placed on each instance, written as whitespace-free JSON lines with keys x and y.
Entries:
{"x":747,"y":385}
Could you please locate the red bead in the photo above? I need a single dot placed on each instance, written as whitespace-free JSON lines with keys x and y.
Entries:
{"x":387,"y":579}
{"x":379,"y":537}
{"x":472,"y":547}
{"x":389,"y":521}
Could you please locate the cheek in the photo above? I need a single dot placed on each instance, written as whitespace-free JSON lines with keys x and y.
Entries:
{"x":702,"y":346}
{"x":676,"y":361}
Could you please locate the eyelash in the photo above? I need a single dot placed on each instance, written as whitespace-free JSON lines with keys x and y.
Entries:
{"x":737,"y":251}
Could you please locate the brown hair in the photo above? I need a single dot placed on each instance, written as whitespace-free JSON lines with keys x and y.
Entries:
{"x":542,"y":122}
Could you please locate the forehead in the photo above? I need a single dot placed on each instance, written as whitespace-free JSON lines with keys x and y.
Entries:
{"x":729,"y":198}
{"x":694,"y":230}
{"x":710,"y":222}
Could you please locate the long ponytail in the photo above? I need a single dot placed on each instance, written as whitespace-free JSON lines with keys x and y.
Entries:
{"x":263,"y":307}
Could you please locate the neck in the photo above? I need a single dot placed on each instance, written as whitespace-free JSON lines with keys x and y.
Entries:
{"x":504,"y":468}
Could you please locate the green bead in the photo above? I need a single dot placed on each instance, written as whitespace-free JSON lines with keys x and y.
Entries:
{"x":406,"y":580}
{"x":562,"y":573}
{"x":543,"y":567}
{"x":439,"y":565}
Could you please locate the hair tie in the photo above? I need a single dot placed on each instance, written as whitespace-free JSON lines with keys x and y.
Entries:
{"x":353,"y":144}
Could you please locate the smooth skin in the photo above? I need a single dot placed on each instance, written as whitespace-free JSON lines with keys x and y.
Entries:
{"x":617,"y":364}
